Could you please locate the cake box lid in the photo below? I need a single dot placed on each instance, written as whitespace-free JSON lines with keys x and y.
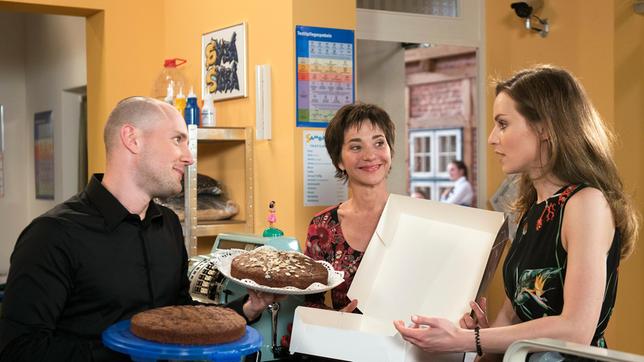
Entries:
{"x":426,"y":258}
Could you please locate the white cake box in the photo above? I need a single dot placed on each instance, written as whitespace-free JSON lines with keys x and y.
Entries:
{"x":425,"y":258}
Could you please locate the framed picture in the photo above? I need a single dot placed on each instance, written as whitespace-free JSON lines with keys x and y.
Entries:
{"x":1,"y":128}
{"x":1,"y":150}
{"x":223,"y":58}
{"x":44,"y":155}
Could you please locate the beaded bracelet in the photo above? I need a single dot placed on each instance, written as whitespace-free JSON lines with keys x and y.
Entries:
{"x":477,"y":339}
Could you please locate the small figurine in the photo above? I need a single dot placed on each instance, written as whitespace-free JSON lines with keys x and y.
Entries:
{"x":271,"y":230}
{"x":272,"y":216}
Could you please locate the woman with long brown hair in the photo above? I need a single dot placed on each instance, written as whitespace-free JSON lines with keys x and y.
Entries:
{"x":576,"y":224}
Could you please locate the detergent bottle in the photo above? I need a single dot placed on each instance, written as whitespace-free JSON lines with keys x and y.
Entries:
{"x":191,"y":113}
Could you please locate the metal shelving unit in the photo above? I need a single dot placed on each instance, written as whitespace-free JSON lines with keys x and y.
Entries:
{"x":193,"y":228}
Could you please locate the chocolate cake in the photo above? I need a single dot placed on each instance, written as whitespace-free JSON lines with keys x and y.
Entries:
{"x":186,"y":324}
{"x":272,"y":268}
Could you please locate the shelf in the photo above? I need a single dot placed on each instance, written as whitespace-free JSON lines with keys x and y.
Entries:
{"x":225,"y":154}
{"x":221,"y":134}
{"x":214,"y":228}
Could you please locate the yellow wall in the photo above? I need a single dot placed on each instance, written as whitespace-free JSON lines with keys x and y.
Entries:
{"x":602,"y":43}
{"x":268,"y":42}
{"x":625,"y":328}
{"x":326,"y":14}
{"x":127,"y":41}
{"x":271,"y":40}
{"x":123,"y":52}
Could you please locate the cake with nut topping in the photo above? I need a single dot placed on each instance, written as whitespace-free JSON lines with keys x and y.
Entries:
{"x":189,"y":324}
{"x":278,"y":269}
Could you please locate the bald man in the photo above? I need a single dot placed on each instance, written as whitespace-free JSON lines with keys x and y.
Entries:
{"x":108,"y":252}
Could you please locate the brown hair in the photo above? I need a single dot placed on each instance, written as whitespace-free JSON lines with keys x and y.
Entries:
{"x":461,"y":166}
{"x":355,"y":115}
{"x":579,"y":143}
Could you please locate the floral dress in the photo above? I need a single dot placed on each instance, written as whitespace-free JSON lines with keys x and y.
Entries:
{"x":534,"y":271}
{"x":325,"y":241}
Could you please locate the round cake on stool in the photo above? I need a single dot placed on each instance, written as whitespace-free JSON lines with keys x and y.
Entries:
{"x":187,"y":324}
{"x":278,"y":269}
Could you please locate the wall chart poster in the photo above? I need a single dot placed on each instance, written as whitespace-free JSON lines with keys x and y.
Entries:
{"x":321,"y":188}
{"x":325,"y":73}
{"x":44,"y":155}
{"x":1,"y":150}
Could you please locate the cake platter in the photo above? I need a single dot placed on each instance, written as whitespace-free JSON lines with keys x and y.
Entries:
{"x":118,"y":337}
{"x":223,"y":258}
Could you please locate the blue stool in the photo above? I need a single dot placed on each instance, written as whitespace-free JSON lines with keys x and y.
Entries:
{"x":119,"y":338}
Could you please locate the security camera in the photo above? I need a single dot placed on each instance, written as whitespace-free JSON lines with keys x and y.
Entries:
{"x":522,"y":9}
{"x":525,"y":9}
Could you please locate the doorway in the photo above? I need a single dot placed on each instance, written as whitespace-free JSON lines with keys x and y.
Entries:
{"x":43,"y":69}
{"x":407,"y":49}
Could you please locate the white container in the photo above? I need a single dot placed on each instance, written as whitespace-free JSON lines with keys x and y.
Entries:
{"x":208,"y":113}
{"x":425,"y":258}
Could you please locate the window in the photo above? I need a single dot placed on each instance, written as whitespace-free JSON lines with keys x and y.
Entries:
{"x":421,"y":154}
{"x":449,"y":149}
{"x":426,"y":7}
{"x":431,"y":151}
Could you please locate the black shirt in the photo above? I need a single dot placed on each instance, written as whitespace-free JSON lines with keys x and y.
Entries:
{"x":83,"y":266}
{"x":534,"y":272}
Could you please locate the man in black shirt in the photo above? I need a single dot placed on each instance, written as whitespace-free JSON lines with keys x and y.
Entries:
{"x":108,"y":252}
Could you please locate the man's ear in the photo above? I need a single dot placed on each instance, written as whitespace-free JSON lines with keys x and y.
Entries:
{"x":130,"y":137}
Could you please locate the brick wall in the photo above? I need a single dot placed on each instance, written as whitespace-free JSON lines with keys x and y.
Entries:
{"x":442,"y":95}
{"x":436,"y":100}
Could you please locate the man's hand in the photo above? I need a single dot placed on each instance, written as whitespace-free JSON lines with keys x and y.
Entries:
{"x":258,"y":301}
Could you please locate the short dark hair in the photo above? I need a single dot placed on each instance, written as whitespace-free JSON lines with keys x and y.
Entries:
{"x":137,"y":110}
{"x":461,"y":166}
{"x":349,"y":116}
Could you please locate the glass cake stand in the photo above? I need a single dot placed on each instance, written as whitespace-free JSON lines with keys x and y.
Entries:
{"x":119,"y":338}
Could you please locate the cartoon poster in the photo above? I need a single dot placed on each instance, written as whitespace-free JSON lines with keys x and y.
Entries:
{"x":223,"y":57}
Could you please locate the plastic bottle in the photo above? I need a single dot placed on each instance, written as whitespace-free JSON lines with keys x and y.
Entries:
{"x":169,"y":95}
{"x":191,"y":113}
{"x":180,"y":102}
{"x":208,"y":115}
{"x":171,"y":76}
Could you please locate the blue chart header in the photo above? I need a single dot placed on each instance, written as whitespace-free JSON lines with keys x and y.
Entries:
{"x":325,"y":73}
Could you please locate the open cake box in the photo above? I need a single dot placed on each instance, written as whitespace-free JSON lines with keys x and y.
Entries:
{"x":426,"y":258}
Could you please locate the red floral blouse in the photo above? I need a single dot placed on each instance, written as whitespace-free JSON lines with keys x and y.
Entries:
{"x":325,"y":241}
